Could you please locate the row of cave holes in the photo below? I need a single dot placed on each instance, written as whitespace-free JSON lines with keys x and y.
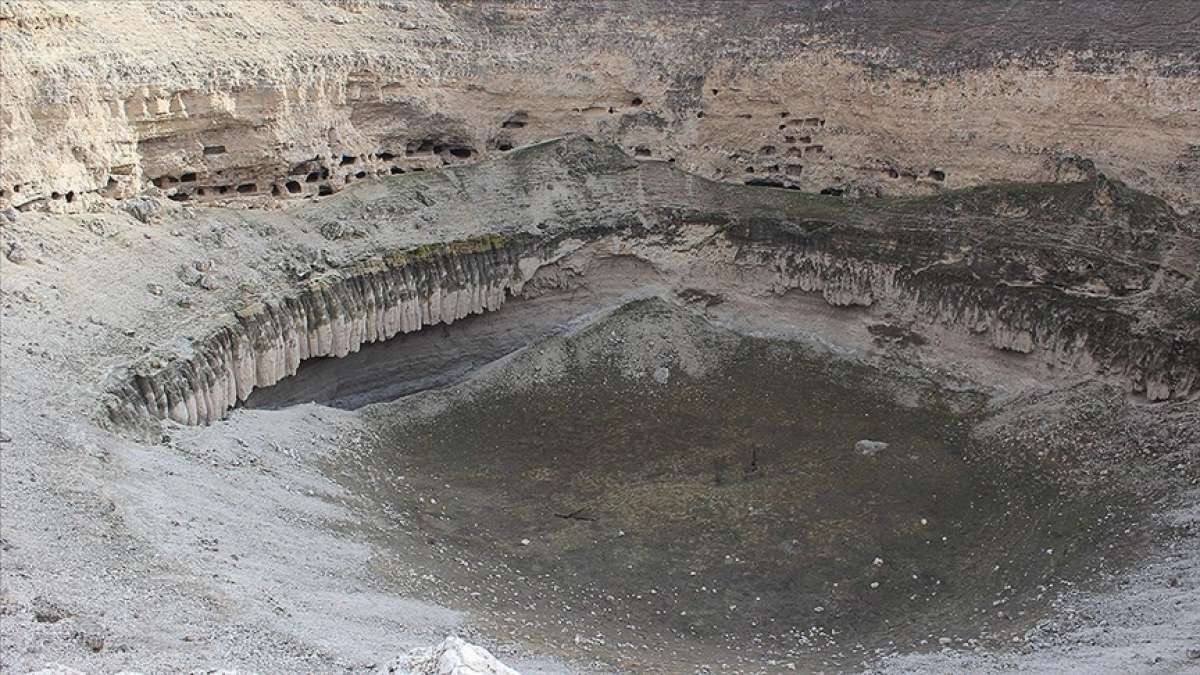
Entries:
{"x":69,"y":196}
{"x":806,"y":141}
{"x":635,"y":102}
{"x":935,"y":174}
{"x":783,"y":126}
{"x":295,"y":187}
{"x":520,"y":118}
{"x":419,"y":148}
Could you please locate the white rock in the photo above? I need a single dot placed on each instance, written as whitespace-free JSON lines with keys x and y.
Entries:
{"x":870,"y":448}
{"x":453,"y":656}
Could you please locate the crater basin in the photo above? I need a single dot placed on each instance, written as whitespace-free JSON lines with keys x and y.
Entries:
{"x":656,"y":492}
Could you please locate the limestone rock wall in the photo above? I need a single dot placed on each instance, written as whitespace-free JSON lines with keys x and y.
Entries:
{"x":1064,"y":333}
{"x":332,"y":317}
{"x":405,"y":292}
{"x":260,"y":101}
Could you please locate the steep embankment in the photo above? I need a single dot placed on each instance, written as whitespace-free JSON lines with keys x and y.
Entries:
{"x":1086,"y":279}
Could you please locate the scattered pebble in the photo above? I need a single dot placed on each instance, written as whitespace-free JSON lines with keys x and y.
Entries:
{"x":869,"y":448}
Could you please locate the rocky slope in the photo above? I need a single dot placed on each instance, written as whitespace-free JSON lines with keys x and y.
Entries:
{"x":1090,"y":279}
{"x":1009,"y":205}
{"x":263,"y":101}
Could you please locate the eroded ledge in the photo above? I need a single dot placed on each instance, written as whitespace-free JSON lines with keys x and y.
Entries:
{"x":375,"y":300}
{"x":406,"y":291}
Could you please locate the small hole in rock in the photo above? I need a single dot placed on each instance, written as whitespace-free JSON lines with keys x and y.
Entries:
{"x":518,"y":120}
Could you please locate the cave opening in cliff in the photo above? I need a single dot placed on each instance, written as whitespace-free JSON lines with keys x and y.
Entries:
{"x":517,"y":121}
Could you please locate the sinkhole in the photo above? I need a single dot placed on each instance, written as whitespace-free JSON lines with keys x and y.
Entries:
{"x":651,"y":490}
{"x":783,"y":430}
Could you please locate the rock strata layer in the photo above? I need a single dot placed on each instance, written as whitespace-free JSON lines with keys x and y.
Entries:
{"x":261,"y":102}
{"x":331,"y":317}
{"x":1089,"y":278}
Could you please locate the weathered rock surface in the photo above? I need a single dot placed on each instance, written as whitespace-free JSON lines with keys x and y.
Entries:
{"x":262,"y":101}
{"x":1049,"y":271}
{"x":331,"y":317}
{"x":119,"y":296}
{"x":452,"y":656}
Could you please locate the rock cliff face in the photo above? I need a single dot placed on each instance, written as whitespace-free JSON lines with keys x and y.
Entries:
{"x":1090,"y":278}
{"x":263,"y":101}
{"x":264,"y":343}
